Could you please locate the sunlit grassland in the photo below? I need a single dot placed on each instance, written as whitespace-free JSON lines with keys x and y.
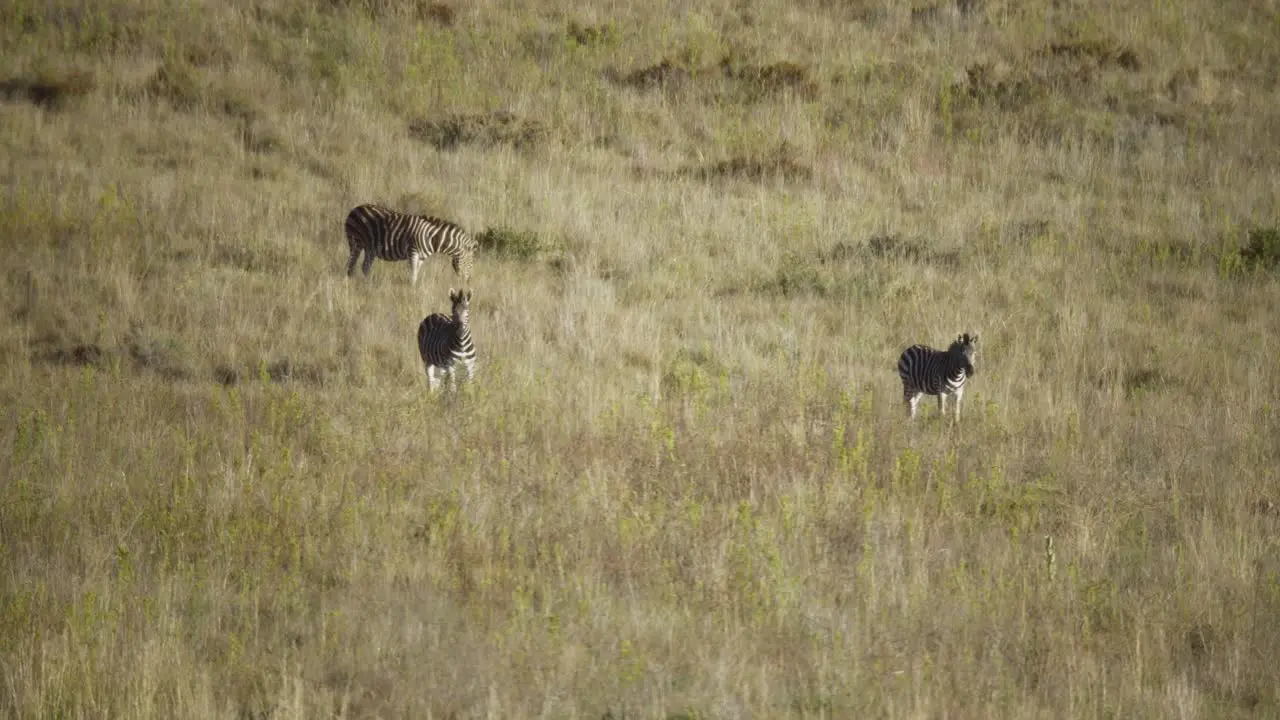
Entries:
{"x":683,"y":484}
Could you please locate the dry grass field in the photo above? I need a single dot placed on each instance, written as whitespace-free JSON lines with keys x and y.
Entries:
{"x":683,"y":485}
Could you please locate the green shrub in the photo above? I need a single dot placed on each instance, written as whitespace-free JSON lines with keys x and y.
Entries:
{"x":519,"y":244}
{"x":591,"y":36}
{"x":797,"y":275}
{"x":1261,"y":248}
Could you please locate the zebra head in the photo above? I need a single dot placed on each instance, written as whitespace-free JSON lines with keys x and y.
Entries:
{"x":461,"y":305}
{"x":964,"y":349}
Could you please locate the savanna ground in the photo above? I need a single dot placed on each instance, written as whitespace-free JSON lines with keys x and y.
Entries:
{"x":683,"y":485}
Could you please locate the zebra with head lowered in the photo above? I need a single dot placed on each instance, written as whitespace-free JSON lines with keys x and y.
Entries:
{"x":445,"y":342}
{"x":386,"y":234}
{"x":925,"y":370}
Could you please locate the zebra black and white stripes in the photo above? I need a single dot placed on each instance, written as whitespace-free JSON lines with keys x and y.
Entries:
{"x":925,"y":370}
{"x":383,"y":233}
{"x":445,"y":342}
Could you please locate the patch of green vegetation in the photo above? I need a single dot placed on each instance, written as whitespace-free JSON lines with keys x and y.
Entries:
{"x":798,"y":275}
{"x":779,"y":163}
{"x":1019,"y":506}
{"x":158,"y":354}
{"x":896,"y":247}
{"x":141,"y":351}
{"x":1261,"y":248}
{"x":1099,"y":52}
{"x":891,"y":247}
{"x":664,"y":75}
{"x":285,"y":370}
{"x":483,"y":129}
{"x":756,"y":82}
{"x":1258,"y":251}
{"x":692,"y":371}
{"x":177,"y":83}
{"x":593,"y":36}
{"x":1161,"y":251}
{"x":731,"y":79}
{"x":260,"y":259}
{"x":1063,"y":90}
{"x":834,"y":269}
{"x":513,"y":243}
{"x":425,"y":11}
{"x":72,"y":28}
{"x":1144,"y":380}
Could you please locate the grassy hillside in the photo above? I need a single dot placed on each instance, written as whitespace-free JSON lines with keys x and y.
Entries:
{"x":683,"y":485}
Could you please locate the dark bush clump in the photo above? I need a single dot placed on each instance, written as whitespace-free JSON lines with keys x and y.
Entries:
{"x":49,"y":93}
{"x":1261,"y":248}
{"x":778,"y":164}
{"x":665,"y":75}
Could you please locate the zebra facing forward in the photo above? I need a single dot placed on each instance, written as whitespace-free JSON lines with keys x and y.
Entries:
{"x":381,"y":232}
{"x":445,"y":342}
{"x":936,"y":372}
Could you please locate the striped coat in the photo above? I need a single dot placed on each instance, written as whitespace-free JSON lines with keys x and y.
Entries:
{"x":926,"y":371}
{"x":380,"y":232}
{"x":445,"y":343}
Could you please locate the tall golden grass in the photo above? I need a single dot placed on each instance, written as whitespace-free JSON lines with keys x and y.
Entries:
{"x":683,"y":484}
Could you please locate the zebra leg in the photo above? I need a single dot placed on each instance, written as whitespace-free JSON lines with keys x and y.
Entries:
{"x":942,"y":404}
{"x":911,"y":399}
{"x":368,"y":262}
{"x":351,"y":264}
{"x":415,"y":261}
{"x":433,"y":378}
{"x":959,"y":394}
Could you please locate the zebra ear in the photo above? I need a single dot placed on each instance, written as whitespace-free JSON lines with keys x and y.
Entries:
{"x":468,"y":295}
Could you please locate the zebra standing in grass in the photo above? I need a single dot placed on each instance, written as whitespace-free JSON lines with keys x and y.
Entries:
{"x":936,"y":372}
{"x":445,"y":342}
{"x":381,"y":232}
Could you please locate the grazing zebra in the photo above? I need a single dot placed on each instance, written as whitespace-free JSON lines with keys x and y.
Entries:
{"x":381,"y":232}
{"x":936,"y":372}
{"x":445,"y":342}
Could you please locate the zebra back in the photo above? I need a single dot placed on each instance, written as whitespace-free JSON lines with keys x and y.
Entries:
{"x":443,"y":236}
{"x":449,"y":238}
